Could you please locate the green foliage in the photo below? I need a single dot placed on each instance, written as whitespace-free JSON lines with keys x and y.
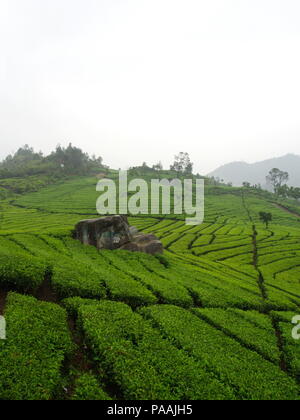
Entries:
{"x":28,"y":184}
{"x":291,"y":347}
{"x":182,"y":164}
{"x":277,"y":178}
{"x":63,"y":161}
{"x":166,"y":290}
{"x":73,"y":304}
{"x":251,"y":329}
{"x":31,"y":358}
{"x":72,"y":279}
{"x":21,"y":272}
{"x":87,"y":388}
{"x":140,"y":361}
{"x":266,"y":218}
{"x":230,"y":361}
{"x":220,"y":323}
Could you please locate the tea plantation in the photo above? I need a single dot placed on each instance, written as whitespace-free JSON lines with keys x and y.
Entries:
{"x":210,"y":319}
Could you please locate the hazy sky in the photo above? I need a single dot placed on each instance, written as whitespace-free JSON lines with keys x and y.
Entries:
{"x":136,"y":80}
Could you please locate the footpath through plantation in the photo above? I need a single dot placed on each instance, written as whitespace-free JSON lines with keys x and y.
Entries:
{"x":210,"y":319}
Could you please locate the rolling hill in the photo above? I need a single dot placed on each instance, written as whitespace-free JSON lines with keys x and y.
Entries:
{"x":255,"y":173}
{"x":210,"y":319}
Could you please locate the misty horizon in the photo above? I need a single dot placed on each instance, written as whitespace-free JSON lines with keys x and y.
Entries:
{"x":128,"y":165}
{"x":138,"y":81}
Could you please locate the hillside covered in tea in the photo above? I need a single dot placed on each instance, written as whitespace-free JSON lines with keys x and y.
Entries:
{"x":210,"y":319}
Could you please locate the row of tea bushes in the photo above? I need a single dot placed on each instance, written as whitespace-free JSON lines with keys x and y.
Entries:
{"x":167,"y":290}
{"x":248,"y":373}
{"x":87,"y":388}
{"x":138,"y":361}
{"x":37,"y":345}
{"x":291,"y":347}
{"x":21,"y":272}
{"x":251,"y":329}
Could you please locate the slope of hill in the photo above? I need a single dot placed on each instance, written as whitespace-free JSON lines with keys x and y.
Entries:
{"x":255,"y":173}
{"x":211,"y":319}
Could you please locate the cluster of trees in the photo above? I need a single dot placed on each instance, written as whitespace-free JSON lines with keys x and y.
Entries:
{"x":278,"y":179}
{"x":254,"y":187}
{"x":289,"y":192}
{"x":73,"y":161}
{"x":144,"y":169}
{"x":65,"y":161}
{"x":218,"y":182}
{"x":182,"y":165}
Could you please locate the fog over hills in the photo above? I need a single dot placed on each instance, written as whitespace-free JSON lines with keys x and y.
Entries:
{"x":255,"y":173}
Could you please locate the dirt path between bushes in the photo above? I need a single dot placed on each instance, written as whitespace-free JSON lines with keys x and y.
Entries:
{"x":281,"y":207}
{"x":3,"y":295}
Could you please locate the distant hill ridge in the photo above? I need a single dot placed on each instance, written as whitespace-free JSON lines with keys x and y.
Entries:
{"x":255,"y":173}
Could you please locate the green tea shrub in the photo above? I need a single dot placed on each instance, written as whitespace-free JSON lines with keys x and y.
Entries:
{"x":139,"y":361}
{"x":21,"y":272}
{"x":247,"y":372}
{"x":87,"y":388}
{"x":37,"y":345}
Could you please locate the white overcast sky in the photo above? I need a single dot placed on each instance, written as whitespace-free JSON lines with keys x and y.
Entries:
{"x":140,"y":80}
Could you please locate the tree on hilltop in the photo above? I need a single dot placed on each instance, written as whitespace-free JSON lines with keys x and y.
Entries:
{"x":74,"y":161}
{"x":246,"y":185}
{"x":182,"y":164}
{"x":277,"y":178}
{"x":158,"y":166}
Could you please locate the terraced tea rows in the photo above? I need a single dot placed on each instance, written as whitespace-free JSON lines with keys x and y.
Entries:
{"x":179,"y":326}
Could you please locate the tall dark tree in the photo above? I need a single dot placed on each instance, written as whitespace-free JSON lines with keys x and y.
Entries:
{"x":266,"y":218}
{"x":283,"y":191}
{"x":277,"y":178}
{"x":294,"y":192}
{"x":182,"y":164}
{"x":246,"y":184}
{"x":158,"y":166}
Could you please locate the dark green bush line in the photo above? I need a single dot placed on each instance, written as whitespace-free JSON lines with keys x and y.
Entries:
{"x":21,"y":273}
{"x":242,"y":297}
{"x":208,"y":289}
{"x":130,"y":292}
{"x":82,"y":273}
{"x":283,"y":316}
{"x":15,"y":240}
{"x":222,"y":355}
{"x":166,"y":290}
{"x":119,"y":286}
{"x":292,"y":297}
{"x":291,"y":350}
{"x":38,"y":343}
{"x":234,"y":326}
{"x":289,"y":346}
{"x":123,"y":287}
{"x":87,"y":388}
{"x":73,"y":304}
{"x":54,"y":243}
{"x":8,"y":246}
{"x":71,"y":279}
{"x":140,"y":362}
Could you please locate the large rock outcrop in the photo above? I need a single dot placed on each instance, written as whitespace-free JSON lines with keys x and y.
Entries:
{"x":114,"y":232}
